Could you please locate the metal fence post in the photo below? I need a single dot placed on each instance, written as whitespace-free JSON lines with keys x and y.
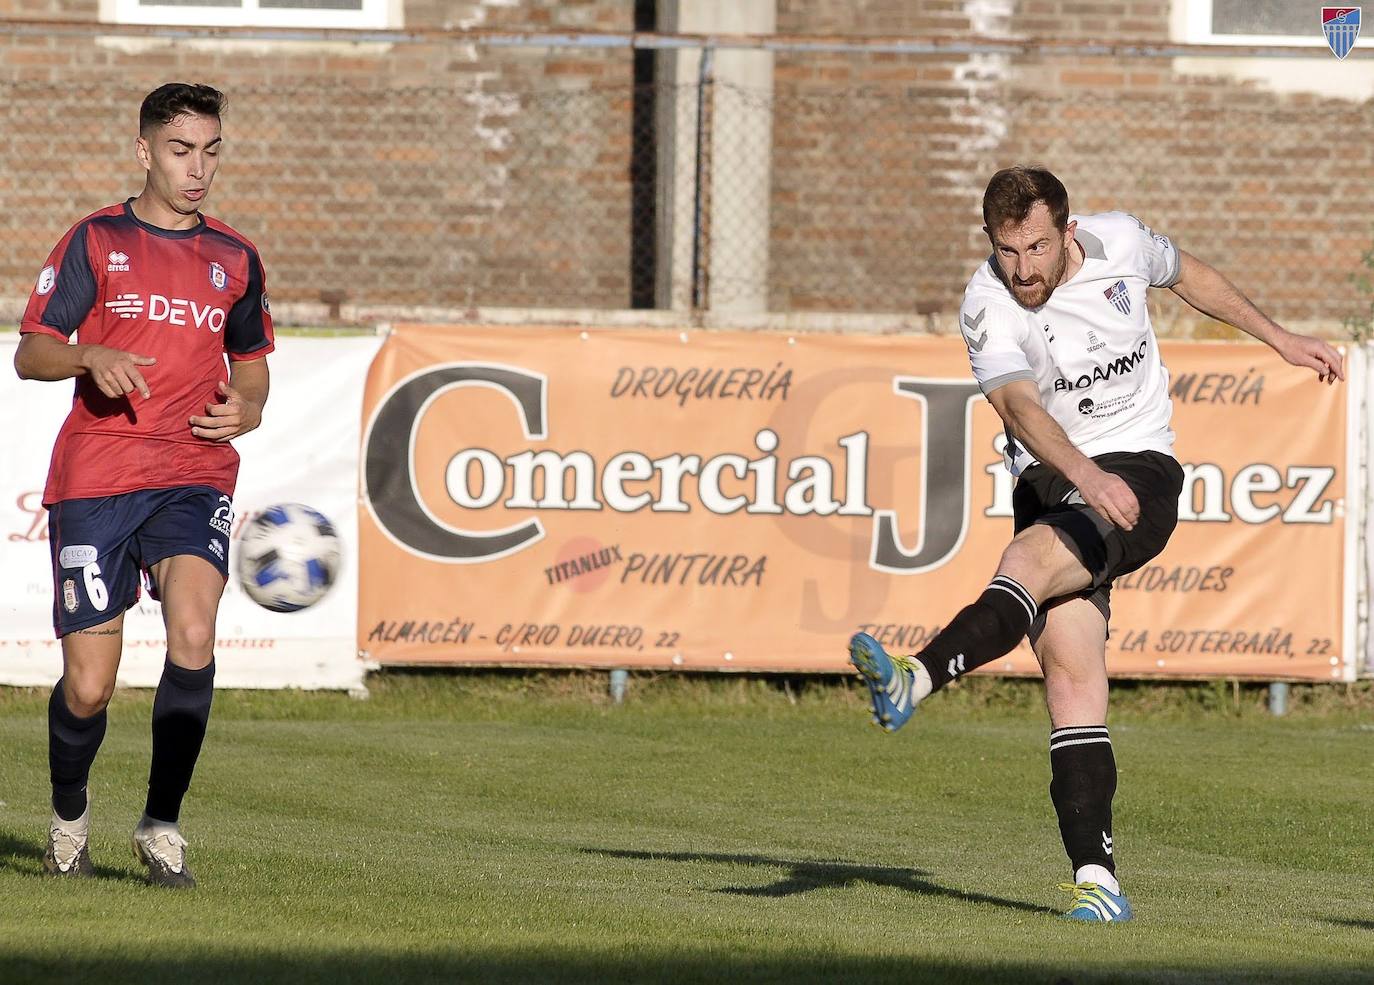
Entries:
{"x":700,"y":232}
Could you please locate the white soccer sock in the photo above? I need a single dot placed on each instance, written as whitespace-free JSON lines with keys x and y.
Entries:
{"x":1099,"y":875}
{"x":921,"y":684}
{"x":81,"y":826}
{"x":152,"y":827}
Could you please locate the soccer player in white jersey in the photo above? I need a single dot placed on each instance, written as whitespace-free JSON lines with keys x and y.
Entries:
{"x":1061,"y":344}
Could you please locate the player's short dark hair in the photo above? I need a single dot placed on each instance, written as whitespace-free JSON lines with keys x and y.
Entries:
{"x":1013,"y":192}
{"x":165,"y":103}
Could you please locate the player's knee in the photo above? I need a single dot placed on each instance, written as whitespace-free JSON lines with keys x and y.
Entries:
{"x":86,"y":696}
{"x":1030,"y":550}
{"x":191,"y":643}
{"x":1039,"y":538}
{"x":1039,"y":560}
{"x":1069,"y":670}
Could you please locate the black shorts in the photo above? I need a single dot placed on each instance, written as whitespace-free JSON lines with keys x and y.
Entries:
{"x":1042,"y":495}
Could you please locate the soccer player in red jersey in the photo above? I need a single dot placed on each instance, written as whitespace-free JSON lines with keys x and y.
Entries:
{"x":142,"y":476}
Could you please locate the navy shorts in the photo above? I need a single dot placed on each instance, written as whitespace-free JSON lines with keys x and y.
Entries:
{"x":100,"y":547}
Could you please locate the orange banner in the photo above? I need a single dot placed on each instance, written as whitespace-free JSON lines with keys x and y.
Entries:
{"x":747,"y":500}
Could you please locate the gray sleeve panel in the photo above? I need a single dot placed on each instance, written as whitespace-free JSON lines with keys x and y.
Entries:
{"x":1001,"y":381}
{"x":1092,"y":246}
{"x":1175,"y":267}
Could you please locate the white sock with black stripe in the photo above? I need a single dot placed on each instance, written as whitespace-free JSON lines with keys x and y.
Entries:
{"x":981,"y":632}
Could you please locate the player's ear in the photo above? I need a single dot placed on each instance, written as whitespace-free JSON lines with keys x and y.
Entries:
{"x":1069,"y":231}
{"x":143,"y":153}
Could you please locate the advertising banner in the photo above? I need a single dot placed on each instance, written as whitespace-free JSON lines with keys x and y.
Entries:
{"x":305,"y":451}
{"x":548,"y":496}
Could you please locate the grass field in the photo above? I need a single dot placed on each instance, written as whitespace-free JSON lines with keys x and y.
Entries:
{"x":514,"y":829}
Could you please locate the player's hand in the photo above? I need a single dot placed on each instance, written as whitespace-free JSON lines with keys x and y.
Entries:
{"x":228,"y":420}
{"x":115,"y":371}
{"x":1110,"y":496}
{"x":1303,"y":350}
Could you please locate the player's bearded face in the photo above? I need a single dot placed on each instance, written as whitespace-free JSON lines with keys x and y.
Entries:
{"x":182,"y":158}
{"x":1032,"y":257}
{"x":1035,"y":288}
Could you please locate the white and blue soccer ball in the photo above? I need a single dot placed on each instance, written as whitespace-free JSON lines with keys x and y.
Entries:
{"x":289,"y":557}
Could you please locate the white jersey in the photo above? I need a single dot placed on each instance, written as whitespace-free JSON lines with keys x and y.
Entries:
{"x":1090,"y":349}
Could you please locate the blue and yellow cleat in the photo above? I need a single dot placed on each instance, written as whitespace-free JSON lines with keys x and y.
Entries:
{"x":1093,"y":904}
{"x":889,"y":679}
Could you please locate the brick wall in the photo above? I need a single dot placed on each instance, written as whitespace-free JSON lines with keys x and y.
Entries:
{"x":418,"y":174}
{"x":1136,"y":19}
{"x":890,"y":154}
{"x":447,"y":175}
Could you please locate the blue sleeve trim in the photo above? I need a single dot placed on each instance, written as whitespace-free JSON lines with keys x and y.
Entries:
{"x":246,"y":331}
{"x":74,"y":292}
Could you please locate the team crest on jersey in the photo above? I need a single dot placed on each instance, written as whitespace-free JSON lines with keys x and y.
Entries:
{"x":1119,"y":297}
{"x":1341,"y":25}
{"x":218,"y":277}
{"x":69,"y":600}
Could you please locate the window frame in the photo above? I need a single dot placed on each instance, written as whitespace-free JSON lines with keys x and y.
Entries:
{"x":1198,"y":30}
{"x":374,"y":14}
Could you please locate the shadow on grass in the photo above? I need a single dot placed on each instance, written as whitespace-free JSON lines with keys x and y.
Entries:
{"x":565,"y":966}
{"x":25,"y":857}
{"x":1346,"y":922}
{"x":802,"y":877}
{"x":21,"y":855}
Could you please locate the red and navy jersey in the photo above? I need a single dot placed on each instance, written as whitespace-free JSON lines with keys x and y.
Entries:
{"x":188,"y":298}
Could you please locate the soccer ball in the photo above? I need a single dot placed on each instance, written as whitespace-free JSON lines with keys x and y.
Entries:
{"x":288,"y":558}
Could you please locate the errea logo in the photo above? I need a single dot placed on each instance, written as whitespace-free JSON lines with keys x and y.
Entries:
{"x":118,"y":261}
{"x":175,"y":311}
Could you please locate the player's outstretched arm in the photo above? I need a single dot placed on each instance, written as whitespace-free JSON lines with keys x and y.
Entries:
{"x":1207,"y":289}
{"x":115,"y":372}
{"x":241,"y":411}
{"x":1018,"y":404}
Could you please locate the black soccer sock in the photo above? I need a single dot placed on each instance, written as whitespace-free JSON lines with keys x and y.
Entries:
{"x":72,"y":745}
{"x":981,"y":632}
{"x":1083,"y":781}
{"x":180,"y":713}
